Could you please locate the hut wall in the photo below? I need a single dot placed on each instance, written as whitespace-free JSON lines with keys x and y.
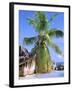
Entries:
{"x":27,"y":68}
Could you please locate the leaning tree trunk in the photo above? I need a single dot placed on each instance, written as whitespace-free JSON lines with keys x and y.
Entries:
{"x":43,"y":61}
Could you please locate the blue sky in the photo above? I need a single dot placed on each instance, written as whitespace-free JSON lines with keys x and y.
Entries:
{"x":26,"y":30}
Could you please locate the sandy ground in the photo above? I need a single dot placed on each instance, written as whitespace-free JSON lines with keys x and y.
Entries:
{"x":45,"y":75}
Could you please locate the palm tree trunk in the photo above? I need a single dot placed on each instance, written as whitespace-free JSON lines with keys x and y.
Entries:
{"x":42,"y":60}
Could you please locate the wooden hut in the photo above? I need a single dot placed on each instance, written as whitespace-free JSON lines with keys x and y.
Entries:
{"x":26,"y":62}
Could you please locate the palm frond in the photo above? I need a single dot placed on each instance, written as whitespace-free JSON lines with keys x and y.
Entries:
{"x":53,"y":45}
{"x":53,"y":17}
{"x":56,"y":48}
{"x":49,"y":53}
{"x":30,"y":40}
{"x":55,"y":33}
{"x":39,"y":21}
{"x":31,"y":21}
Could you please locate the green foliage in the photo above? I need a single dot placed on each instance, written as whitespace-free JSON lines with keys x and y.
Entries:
{"x":56,"y":48}
{"x":28,"y":41}
{"x":53,"y":45}
{"x":55,"y":33}
{"x":39,"y":21}
{"x":53,"y":17}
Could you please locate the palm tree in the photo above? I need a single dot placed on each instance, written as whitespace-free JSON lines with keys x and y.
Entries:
{"x":43,"y":41}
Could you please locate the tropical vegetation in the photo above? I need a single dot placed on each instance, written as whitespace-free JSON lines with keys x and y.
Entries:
{"x":43,"y":40}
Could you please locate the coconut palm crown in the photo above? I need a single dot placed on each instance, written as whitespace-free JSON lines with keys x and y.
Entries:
{"x":43,"y":40}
